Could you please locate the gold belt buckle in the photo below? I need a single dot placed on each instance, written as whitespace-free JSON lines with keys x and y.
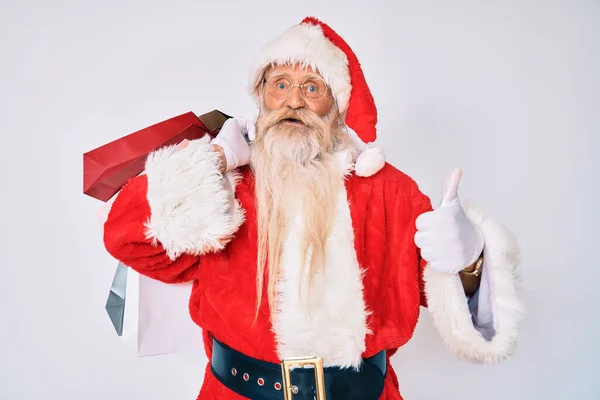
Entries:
{"x":289,"y":389}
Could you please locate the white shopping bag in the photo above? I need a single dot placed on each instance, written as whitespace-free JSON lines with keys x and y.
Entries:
{"x":164,"y":322}
{"x":154,"y":315}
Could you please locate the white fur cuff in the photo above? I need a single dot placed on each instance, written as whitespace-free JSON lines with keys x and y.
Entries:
{"x":193,"y":207}
{"x":448,"y":306}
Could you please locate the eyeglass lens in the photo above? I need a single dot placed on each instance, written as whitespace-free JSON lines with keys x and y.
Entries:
{"x":280,"y":86}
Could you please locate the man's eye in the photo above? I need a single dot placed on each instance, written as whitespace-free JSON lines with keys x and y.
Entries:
{"x":281,"y":86}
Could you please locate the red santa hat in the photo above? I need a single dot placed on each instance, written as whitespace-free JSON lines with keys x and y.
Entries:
{"x":313,"y":43}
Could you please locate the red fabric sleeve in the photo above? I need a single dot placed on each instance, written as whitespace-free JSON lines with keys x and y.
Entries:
{"x":421,"y":204}
{"x":422,"y":264}
{"x":125,"y":238}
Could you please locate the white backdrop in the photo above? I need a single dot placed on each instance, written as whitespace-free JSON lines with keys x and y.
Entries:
{"x":506,"y":90}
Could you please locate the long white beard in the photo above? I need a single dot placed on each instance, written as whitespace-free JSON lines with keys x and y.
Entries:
{"x":296,"y":169}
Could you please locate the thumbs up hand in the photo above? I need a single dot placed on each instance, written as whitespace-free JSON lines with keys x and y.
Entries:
{"x":448,"y":239}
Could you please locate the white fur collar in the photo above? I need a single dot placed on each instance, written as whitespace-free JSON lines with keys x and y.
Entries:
{"x":334,"y":325}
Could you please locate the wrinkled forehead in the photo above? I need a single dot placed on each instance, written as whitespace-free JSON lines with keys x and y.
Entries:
{"x":295,"y":71}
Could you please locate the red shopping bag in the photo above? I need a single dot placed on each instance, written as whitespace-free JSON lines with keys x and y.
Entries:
{"x":107,"y":168}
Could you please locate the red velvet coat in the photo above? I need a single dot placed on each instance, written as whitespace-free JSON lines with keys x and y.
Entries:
{"x":382,"y":208}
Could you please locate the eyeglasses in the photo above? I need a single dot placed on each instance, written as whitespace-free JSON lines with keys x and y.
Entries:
{"x":280,"y":86}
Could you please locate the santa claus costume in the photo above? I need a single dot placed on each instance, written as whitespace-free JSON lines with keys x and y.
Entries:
{"x":183,"y":220}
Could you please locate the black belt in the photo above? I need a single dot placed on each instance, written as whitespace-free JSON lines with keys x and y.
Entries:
{"x":261,"y":380}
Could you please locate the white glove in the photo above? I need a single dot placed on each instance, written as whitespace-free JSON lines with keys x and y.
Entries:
{"x":232,"y":138}
{"x":448,"y":239}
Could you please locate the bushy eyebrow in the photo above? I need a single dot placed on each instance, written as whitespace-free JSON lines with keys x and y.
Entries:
{"x":303,"y":78}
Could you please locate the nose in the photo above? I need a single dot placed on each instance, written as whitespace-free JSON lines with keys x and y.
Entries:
{"x":295,"y":100}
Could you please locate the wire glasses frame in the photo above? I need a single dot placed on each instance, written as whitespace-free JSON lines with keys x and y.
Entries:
{"x":280,"y":86}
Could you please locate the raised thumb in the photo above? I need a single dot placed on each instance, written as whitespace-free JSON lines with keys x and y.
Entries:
{"x":450,"y":188}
